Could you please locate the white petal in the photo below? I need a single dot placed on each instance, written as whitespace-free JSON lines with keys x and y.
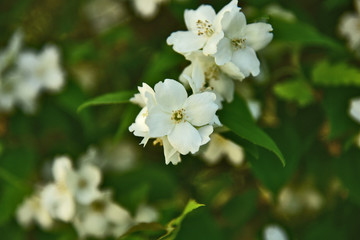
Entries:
{"x":204,"y":12}
{"x":211,"y":44}
{"x":232,"y":71}
{"x":61,"y":168}
{"x":170,"y":153}
{"x":198,"y":77}
{"x":205,"y":132}
{"x":233,"y":24}
{"x":246,"y":60}
{"x":159,"y":122}
{"x":258,"y":35}
{"x":170,"y":95}
{"x":224,"y":52}
{"x":355,"y":109}
{"x":186,"y":41}
{"x":224,"y":86}
{"x":185,"y":138}
{"x":200,"y":108}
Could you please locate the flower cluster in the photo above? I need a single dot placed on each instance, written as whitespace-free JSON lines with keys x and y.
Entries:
{"x":221,"y":47}
{"x":23,"y":75}
{"x":349,"y":27}
{"x":74,"y":196}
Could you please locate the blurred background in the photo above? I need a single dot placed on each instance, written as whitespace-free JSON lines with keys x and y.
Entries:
{"x":309,"y":74}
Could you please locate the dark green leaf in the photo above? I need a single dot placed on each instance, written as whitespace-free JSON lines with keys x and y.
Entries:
{"x":237,"y":118}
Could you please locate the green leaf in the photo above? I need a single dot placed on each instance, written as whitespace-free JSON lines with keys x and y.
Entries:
{"x":110,"y":98}
{"x":142,"y":227}
{"x":334,"y":75}
{"x":295,"y":90}
{"x":236,"y":117}
{"x":301,"y":33}
{"x":174,"y":225}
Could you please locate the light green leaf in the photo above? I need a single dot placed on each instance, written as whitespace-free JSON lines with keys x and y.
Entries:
{"x":301,"y":33}
{"x":334,"y":75}
{"x":110,"y":98}
{"x":174,"y":225}
{"x":295,"y":90}
{"x":236,"y":117}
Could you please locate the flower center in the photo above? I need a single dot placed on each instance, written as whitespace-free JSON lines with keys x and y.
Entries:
{"x":178,"y":115}
{"x":204,"y":28}
{"x":98,"y":206}
{"x":239,"y":43}
{"x":82,"y":183}
{"x":212,"y":73}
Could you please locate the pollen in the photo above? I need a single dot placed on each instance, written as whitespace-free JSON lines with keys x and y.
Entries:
{"x":212,"y":73}
{"x":204,"y":28}
{"x":238,"y":43}
{"x":178,"y":115}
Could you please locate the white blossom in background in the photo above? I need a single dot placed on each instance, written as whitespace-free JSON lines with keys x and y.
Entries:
{"x":102,"y":218}
{"x":32,"y":211}
{"x":219,"y":147}
{"x":206,"y":75}
{"x":349,"y":27}
{"x":84,"y":183}
{"x":146,"y":214}
{"x":24,"y":75}
{"x":274,"y":232}
{"x":275,"y":10}
{"x":57,"y":197}
{"x":147,"y":8}
{"x":241,"y":41}
{"x":355,"y":109}
{"x":105,"y":14}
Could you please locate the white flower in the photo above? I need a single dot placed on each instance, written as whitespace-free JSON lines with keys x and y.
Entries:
{"x":84,"y":183}
{"x":184,"y":120}
{"x":147,"y":8}
{"x":206,"y":75}
{"x":102,"y":218}
{"x":349,"y":27}
{"x":56,"y":197}
{"x":219,"y":146}
{"x":42,"y":69}
{"x":275,"y":10}
{"x":274,"y":232}
{"x":241,"y":41}
{"x":146,"y":214}
{"x":204,"y":31}
{"x":8,"y":55}
{"x":355,"y":109}
{"x":32,"y":210}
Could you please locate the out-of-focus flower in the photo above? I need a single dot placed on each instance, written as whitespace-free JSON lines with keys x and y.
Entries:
{"x":101,"y":218}
{"x":148,"y":8}
{"x":274,"y":232}
{"x":105,"y":14}
{"x":8,"y":55}
{"x":56,"y":197}
{"x":355,"y":109}
{"x":275,"y":10}
{"x":146,"y":214}
{"x":240,"y":42}
{"x":84,"y":183}
{"x":304,"y":199}
{"x":349,"y":27}
{"x":219,"y":147}
{"x":32,"y":210}
{"x":206,"y":75}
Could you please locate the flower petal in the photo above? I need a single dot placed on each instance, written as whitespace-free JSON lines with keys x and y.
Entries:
{"x":200,"y":108}
{"x":211,"y":44}
{"x":159,"y":122}
{"x":170,"y":95}
{"x":232,"y":71}
{"x":205,"y":132}
{"x":224,"y":52}
{"x":355,"y":109}
{"x":233,"y":24}
{"x":224,"y":86}
{"x":246,"y":60}
{"x":171,"y":154}
{"x":185,"y":138}
{"x":258,"y":35}
{"x":203,"y":13}
{"x":186,"y":41}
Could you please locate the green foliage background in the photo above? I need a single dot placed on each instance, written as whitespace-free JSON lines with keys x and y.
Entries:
{"x":309,"y":78}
